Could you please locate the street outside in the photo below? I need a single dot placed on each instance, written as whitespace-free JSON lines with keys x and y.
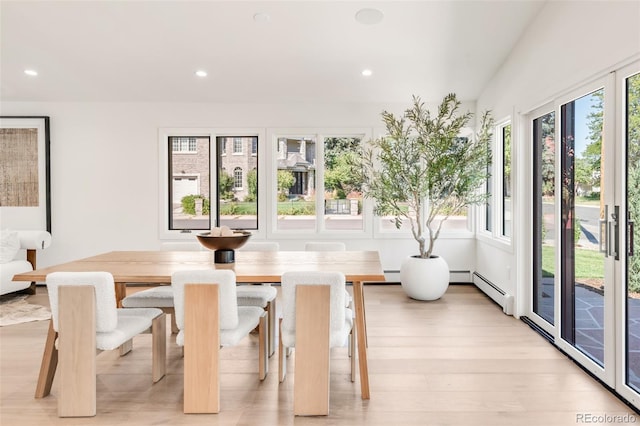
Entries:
{"x":298,"y":222}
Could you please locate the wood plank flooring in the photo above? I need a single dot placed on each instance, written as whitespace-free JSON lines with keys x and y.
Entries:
{"x":456,"y":361}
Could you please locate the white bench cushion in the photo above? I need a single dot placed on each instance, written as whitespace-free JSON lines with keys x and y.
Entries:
{"x":156,"y":297}
{"x":255,"y":295}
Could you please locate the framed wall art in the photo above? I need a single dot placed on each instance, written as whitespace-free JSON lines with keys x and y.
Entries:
{"x":25,"y":189}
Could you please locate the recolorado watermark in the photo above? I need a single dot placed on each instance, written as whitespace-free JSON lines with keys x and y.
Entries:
{"x":591,"y":418}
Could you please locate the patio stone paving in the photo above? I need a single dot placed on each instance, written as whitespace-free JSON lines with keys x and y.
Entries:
{"x":589,"y":312}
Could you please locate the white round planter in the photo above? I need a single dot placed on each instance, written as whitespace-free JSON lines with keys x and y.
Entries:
{"x":424,"y":279}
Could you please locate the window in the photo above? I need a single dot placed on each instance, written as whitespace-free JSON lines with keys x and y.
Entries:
{"x":237,"y":188}
{"x":295,"y":182}
{"x":496,"y":220}
{"x":182,"y":144}
{"x":237,"y":146}
{"x":254,"y":146}
{"x":505,"y":139}
{"x":222,"y":142}
{"x":544,"y":211}
{"x":188,"y":183}
{"x":237,"y":178}
{"x":202,"y":186}
{"x":488,"y":217}
{"x":316,"y":188}
{"x":342,"y":187}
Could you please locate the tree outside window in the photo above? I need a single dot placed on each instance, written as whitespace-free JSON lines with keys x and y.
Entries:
{"x":342,"y":183}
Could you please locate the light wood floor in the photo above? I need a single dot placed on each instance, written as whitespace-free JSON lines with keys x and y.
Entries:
{"x":457,"y":361}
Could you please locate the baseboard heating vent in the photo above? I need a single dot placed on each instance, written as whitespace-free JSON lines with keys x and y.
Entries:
{"x":494,"y":292}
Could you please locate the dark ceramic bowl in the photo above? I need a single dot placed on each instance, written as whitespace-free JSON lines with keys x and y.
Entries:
{"x":223,"y":243}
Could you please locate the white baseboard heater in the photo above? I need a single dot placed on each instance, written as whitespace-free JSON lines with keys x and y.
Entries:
{"x":455,"y":277}
{"x":494,"y":292}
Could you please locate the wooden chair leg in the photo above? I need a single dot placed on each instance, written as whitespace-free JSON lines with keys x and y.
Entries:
{"x":159,"y":347}
{"x":201,"y":349}
{"x":77,"y":343}
{"x":263,"y":349}
{"x":311,"y":378}
{"x":126,"y":347}
{"x":172,"y":314}
{"x":174,"y":325}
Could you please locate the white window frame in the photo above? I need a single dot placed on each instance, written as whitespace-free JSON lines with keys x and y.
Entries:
{"x":164,"y":133}
{"x":489,"y":187}
{"x":495,"y":236}
{"x":267,"y":176}
{"x":500,"y":231}
{"x":319,"y":135}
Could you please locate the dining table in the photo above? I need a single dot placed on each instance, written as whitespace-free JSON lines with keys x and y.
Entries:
{"x":156,"y":268}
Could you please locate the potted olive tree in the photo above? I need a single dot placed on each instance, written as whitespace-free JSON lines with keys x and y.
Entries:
{"x":422,"y":172}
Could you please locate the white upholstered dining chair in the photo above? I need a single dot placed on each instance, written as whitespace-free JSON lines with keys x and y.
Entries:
{"x":84,"y":314}
{"x":263,"y":295}
{"x":208,"y":317}
{"x":314,"y":320}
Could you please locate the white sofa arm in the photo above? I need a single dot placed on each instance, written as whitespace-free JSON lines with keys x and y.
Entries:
{"x":34,"y":240}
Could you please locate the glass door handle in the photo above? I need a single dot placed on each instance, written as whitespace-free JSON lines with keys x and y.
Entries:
{"x":615,"y":231}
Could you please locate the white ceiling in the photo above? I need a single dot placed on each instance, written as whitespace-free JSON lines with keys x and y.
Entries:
{"x":308,"y":51}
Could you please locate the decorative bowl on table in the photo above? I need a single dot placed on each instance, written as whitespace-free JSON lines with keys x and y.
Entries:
{"x":223,"y":243}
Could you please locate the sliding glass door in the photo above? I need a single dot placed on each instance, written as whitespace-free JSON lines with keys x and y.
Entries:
{"x":585,"y":277}
{"x":586,"y":232}
{"x":629,"y":82}
{"x":543,"y":127}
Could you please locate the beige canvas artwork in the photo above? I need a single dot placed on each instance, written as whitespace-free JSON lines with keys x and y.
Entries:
{"x":19,"y":168}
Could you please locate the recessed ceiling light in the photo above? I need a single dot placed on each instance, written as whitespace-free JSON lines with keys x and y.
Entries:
{"x":367,"y":72}
{"x":261,"y":17}
{"x":31,"y":73}
{"x":201,"y":73}
{"x":369,"y":16}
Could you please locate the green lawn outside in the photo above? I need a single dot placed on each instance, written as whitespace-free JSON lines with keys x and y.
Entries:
{"x":293,"y":208}
{"x":589,"y":263}
{"x":238,"y":208}
{"x":297,"y":208}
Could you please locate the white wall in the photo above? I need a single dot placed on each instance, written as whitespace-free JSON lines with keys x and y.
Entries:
{"x":105,"y":171}
{"x":569,"y":43}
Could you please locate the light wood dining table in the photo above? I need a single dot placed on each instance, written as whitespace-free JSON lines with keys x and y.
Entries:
{"x":156,"y":268}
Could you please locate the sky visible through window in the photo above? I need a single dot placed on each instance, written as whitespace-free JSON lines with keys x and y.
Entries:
{"x":583,"y":107}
